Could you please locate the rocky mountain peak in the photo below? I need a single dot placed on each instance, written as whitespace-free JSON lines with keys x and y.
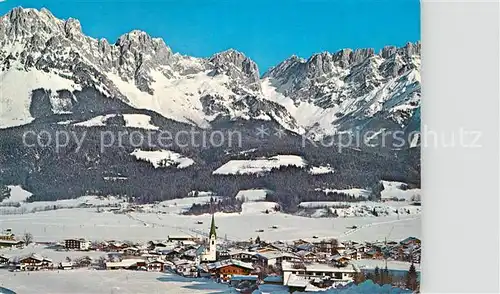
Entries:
{"x":285,"y":67}
{"x":72,"y":28}
{"x":335,"y":90}
{"x":24,"y":22}
{"x":236,"y":65}
{"x":140,"y":42}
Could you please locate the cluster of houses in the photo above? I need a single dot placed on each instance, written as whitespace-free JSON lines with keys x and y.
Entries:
{"x":9,"y":240}
{"x":297,"y":265}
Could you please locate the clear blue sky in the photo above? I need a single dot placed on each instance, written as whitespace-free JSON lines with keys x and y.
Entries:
{"x":266,"y":31}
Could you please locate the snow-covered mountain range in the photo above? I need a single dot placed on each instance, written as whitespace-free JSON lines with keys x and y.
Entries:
{"x":327,"y":93}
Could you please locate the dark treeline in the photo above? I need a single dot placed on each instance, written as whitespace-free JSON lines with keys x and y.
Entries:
{"x":52,"y":174}
{"x":226,"y":205}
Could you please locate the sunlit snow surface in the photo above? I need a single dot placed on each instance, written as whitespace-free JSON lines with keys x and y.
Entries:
{"x":259,"y":165}
{"x":56,"y":225}
{"x":16,"y":87}
{"x":163,"y":158}
{"x":139,"y":121}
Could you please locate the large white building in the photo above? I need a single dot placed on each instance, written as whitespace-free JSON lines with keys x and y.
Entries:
{"x":318,"y":270}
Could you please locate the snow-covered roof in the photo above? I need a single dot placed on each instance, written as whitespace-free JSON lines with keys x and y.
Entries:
{"x":320,"y":267}
{"x":350,"y":251}
{"x":37,"y":257}
{"x":237,"y":251}
{"x":304,"y":253}
{"x":181,"y":261}
{"x":132,"y":249}
{"x":13,"y":242}
{"x":125,"y":262}
{"x":66,"y":264}
{"x":223,"y":263}
{"x":188,"y":242}
{"x":274,"y":254}
{"x":340,"y":257}
{"x":296,"y":281}
{"x":180,"y":237}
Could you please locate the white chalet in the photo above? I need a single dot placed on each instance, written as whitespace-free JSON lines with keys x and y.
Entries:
{"x":318,"y":270}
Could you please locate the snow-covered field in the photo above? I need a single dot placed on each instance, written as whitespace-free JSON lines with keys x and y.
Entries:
{"x":163,"y":158}
{"x":394,"y":190}
{"x":17,"y":194}
{"x":42,"y":250}
{"x":96,"y":281}
{"x":177,"y":206}
{"x":391,"y":264}
{"x":117,"y":282}
{"x":355,"y":192}
{"x":140,"y":121}
{"x":157,"y":221}
{"x":252,"y":195}
{"x":59,"y":224}
{"x":15,"y":94}
{"x":363,"y":208}
{"x":28,"y":207}
{"x":259,"y":165}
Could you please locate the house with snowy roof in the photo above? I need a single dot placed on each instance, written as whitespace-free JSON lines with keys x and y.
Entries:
{"x":155,"y":266}
{"x":77,"y":244}
{"x":340,"y":260}
{"x":33,"y":262}
{"x":275,"y":258}
{"x":130,"y":264}
{"x":306,"y":256}
{"x":410,"y":241}
{"x":65,"y":265}
{"x":354,"y":254}
{"x":11,"y":243}
{"x":305,"y":247}
{"x":223,"y":270}
{"x":243,"y":255}
{"x":318,"y":270}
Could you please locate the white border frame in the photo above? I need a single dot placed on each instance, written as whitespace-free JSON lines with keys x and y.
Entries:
{"x":460,"y":90}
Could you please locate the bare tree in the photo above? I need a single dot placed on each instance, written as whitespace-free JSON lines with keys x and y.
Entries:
{"x":27,"y":238}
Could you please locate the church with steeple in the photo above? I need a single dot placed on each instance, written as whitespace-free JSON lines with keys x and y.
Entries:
{"x":209,"y":253}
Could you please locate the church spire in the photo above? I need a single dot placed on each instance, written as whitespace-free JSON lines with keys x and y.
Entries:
{"x":212,"y":228}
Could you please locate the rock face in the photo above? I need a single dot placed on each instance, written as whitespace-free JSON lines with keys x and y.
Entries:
{"x":326,"y":94}
{"x":348,"y":89}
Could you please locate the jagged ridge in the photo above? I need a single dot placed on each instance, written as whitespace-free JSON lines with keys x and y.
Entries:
{"x":327,"y":93}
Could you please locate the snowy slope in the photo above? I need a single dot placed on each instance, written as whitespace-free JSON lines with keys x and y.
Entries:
{"x":320,"y":170}
{"x":259,"y":165}
{"x":362,"y":209}
{"x":356,"y":192}
{"x":345,"y":90}
{"x":17,"y":194}
{"x":163,"y":158}
{"x":16,"y":90}
{"x":396,"y":190}
{"x":252,"y":195}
